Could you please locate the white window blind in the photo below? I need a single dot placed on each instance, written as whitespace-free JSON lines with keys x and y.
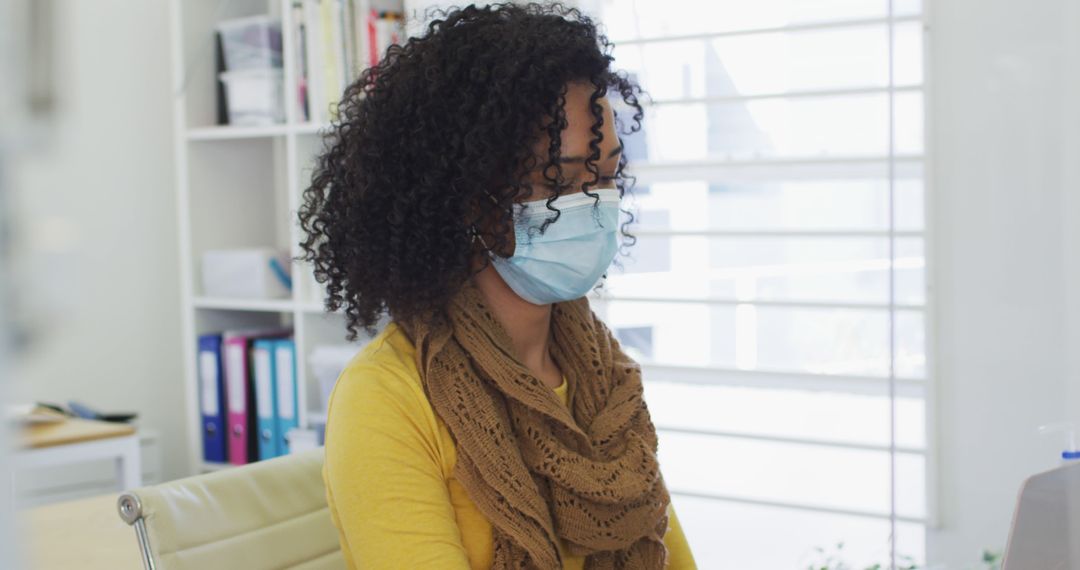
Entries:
{"x":777,"y":290}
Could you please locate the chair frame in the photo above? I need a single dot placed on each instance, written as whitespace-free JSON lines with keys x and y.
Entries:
{"x":130,"y":508}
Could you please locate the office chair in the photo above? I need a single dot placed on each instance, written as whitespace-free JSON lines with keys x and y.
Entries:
{"x":267,"y":514}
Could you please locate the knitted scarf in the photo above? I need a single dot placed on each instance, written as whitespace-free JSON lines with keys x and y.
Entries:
{"x":538,"y":470}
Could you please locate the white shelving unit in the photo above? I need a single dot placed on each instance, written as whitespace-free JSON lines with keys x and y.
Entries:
{"x":240,"y":186}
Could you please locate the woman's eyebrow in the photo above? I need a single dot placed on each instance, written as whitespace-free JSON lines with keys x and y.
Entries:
{"x":568,"y":159}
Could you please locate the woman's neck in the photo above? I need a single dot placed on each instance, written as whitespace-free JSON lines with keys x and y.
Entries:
{"x":528,"y":325}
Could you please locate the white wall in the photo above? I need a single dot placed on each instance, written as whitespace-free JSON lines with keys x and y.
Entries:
{"x":1006,"y":257}
{"x":98,"y":220}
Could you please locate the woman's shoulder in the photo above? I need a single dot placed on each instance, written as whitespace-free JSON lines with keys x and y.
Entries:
{"x":378,"y":414}
{"x":384,"y":368}
{"x":390,"y":347}
{"x":379,"y":400}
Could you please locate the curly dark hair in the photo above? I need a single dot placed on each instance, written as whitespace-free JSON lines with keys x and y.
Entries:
{"x":433,"y":139}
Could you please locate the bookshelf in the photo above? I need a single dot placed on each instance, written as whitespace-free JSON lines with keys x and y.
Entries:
{"x":240,"y":186}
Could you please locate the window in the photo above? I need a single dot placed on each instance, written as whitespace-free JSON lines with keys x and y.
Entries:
{"x":777,"y":292}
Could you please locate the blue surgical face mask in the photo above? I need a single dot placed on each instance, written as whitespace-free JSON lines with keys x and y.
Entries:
{"x":570,"y":256}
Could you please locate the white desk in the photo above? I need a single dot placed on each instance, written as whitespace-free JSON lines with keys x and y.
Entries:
{"x":74,"y":441}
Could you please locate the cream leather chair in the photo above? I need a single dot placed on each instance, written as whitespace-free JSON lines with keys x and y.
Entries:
{"x":268,"y":514}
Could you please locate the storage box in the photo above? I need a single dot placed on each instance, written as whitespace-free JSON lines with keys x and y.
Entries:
{"x":256,"y":273}
{"x":255,"y":96}
{"x":326,"y":363}
{"x":251,"y":43}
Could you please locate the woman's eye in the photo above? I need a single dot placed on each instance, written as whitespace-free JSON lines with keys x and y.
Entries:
{"x":608,"y":181}
{"x":602,"y":179}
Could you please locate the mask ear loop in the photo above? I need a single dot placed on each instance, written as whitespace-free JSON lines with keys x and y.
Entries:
{"x":476,"y":233}
{"x":476,"y":236}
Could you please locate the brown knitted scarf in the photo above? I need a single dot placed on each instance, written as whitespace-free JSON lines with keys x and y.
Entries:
{"x":539,"y":470}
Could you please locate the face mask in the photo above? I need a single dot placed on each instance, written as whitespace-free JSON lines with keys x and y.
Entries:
{"x":567,"y":260}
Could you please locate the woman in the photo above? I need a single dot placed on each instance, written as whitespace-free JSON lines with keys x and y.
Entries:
{"x":470,"y":190}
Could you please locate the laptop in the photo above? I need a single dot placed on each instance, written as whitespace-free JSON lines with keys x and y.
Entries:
{"x":1045,"y":531}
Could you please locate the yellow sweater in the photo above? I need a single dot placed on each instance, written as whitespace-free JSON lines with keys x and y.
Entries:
{"x":389,"y":473}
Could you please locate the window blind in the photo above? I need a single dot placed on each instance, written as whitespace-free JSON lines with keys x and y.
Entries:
{"x":777,"y":291}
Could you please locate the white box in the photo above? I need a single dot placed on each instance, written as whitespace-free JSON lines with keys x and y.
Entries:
{"x":326,"y":362}
{"x":245,"y":273}
{"x":253,"y":42}
{"x":302,"y":439}
{"x":255,"y":96}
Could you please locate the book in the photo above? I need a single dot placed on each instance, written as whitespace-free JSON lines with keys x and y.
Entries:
{"x":300,"y":100}
{"x":334,"y":41}
{"x":313,"y":43}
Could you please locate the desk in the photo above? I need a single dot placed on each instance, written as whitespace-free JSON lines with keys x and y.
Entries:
{"x":76,"y":440}
{"x":86,"y":533}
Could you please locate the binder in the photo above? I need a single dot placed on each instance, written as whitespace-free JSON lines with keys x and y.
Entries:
{"x":212,"y":398}
{"x":262,"y":361}
{"x":239,"y":395}
{"x":288,"y":415}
